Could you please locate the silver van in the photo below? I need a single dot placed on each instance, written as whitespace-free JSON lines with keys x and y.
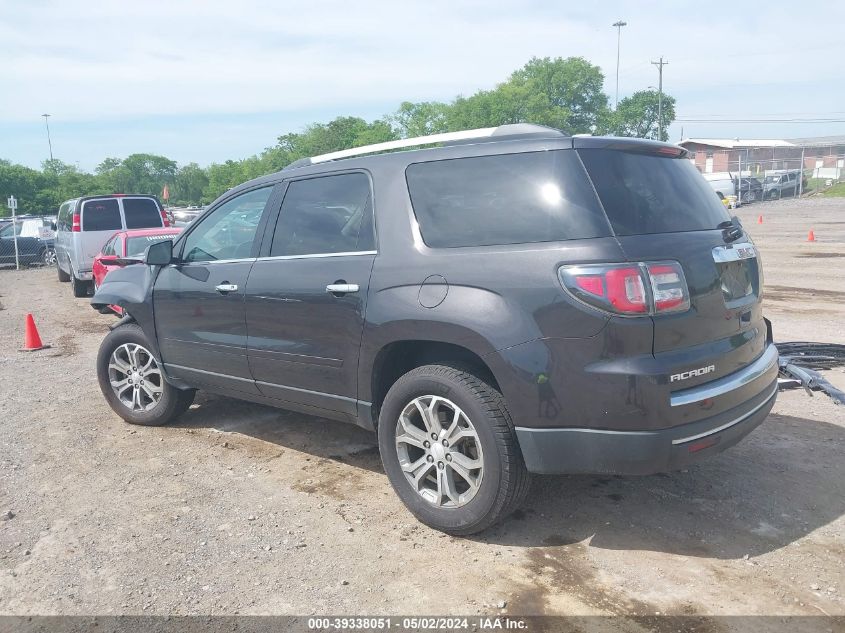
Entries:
{"x":85,"y":224}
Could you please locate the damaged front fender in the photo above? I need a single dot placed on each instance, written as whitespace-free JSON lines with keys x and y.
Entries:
{"x":130,"y":288}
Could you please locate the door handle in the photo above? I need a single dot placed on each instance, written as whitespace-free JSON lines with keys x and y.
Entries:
{"x":226,"y":288}
{"x":341,"y":288}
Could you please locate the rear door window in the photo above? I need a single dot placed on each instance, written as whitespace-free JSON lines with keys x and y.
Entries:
{"x":329,"y":214}
{"x":141,"y":213}
{"x":644,"y":193}
{"x":101,"y":215}
{"x":504,"y":199}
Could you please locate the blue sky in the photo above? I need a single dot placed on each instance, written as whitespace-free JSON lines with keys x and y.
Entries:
{"x":212,"y":80}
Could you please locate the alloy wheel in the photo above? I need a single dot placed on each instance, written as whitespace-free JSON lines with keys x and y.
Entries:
{"x":439,"y":451}
{"x":135,"y":377}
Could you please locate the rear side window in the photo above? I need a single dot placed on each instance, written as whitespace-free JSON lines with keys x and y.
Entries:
{"x":329,"y":214}
{"x":504,"y":199}
{"x":101,"y":215}
{"x":644,"y":194}
{"x":141,"y":213}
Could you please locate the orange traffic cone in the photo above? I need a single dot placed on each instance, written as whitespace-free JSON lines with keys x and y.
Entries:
{"x":811,"y":237}
{"x":760,"y":219}
{"x":31,"y":338}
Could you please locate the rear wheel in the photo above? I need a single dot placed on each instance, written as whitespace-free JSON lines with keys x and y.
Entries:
{"x":78,"y":287}
{"x":449,"y":449}
{"x":62,"y":275}
{"x":48,"y":257}
{"x":132,"y":381}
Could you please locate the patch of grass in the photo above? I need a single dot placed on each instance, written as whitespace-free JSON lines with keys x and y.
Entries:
{"x":836,"y":191}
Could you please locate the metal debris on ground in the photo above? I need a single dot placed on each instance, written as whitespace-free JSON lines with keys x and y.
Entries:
{"x":800,"y":363}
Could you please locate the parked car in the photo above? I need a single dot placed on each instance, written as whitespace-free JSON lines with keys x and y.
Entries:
{"x":530,"y":303}
{"x":126,"y":245}
{"x":782,"y":184}
{"x":34,"y":242}
{"x":185,"y":215}
{"x":751,"y":190}
{"x":85,"y":224}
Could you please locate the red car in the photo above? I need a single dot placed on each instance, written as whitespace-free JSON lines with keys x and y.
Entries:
{"x":131,"y":243}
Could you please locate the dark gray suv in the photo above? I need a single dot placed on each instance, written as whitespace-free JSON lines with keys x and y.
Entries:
{"x":512,"y":301}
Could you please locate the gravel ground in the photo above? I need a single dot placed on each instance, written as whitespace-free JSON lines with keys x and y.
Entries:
{"x":240,"y":508}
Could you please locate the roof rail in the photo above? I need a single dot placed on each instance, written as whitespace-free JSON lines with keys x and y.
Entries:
{"x":515,"y":129}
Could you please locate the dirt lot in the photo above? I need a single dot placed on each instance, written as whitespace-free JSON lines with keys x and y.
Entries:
{"x":240,"y":508}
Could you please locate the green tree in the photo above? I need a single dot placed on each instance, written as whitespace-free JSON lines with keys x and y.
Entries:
{"x":189,"y":184}
{"x":419,"y":119}
{"x":637,"y":115}
{"x":137,"y":173}
{"x":561,"y":93}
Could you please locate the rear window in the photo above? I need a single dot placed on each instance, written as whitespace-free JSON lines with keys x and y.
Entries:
{"x":645,"y":194}
{"x":101,"y":215}
{"x":141,"y":213}
{"x":136,"y":246}
{"x":504,"y":199}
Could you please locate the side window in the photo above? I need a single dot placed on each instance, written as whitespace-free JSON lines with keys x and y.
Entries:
{"x":328,"y":214}
{"x":108,"y":249}
{"x":61,"y":220}
{"x":101,"y":215}
{"x":228,"y":232}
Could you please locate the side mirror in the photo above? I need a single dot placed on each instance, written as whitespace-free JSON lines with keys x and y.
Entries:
{"x":159,"y":254}
{"x":52,"y":226}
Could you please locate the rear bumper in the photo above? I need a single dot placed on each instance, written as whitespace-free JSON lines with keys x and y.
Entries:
{"x":574,"y":450}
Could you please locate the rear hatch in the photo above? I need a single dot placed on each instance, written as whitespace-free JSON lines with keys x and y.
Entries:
{"x":662,"y":209}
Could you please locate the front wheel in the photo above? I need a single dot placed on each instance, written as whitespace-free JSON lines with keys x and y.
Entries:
{"x":131,"y":379}
{"x":449,"y":448}
{"x":48,"y":257}
{"x":62,"y":275}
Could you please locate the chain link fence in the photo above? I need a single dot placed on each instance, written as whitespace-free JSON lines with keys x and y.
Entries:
{"x":772,"y":172}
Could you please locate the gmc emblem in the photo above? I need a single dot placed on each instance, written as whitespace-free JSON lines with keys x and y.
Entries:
{"x":692,"y":372}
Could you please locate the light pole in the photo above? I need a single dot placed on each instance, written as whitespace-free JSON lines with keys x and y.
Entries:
{"x":660,"y":66}
{"x":49,"y":142}
{"x":618,"y":24}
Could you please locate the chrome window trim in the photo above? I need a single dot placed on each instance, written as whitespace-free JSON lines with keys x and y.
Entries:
{"x":316,"y":255}
{"x":733,"y":381}
{"x":215,"y":261}
{"x":734,"y":252}
{"x":727,"y":425}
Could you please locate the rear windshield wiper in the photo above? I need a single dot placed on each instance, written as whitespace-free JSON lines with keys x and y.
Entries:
{"x":731,"y":229}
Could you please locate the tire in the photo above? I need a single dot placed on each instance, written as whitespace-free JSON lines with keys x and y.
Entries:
{"x":62,"y":275}
{"x":158,"y":402}
{"x":504,"y":480}
{"x":78,"y":287}
{"x":48,"y":257}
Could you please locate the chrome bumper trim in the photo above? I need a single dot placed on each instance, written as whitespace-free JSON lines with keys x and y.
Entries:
{"x":727,"y":425}
{"x":738,"y":379}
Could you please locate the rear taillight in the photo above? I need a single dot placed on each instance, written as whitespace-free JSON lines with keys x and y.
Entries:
{"x":76,"y":225}
{"x":164,"y":219}
{"x":629,"y":289}
{"x":668,"y":287}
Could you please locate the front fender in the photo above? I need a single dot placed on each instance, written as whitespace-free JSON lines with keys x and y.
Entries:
{"x":131,"y":288}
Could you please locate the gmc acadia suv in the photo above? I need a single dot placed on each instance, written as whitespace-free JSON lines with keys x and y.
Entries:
{"x":512,"y":301}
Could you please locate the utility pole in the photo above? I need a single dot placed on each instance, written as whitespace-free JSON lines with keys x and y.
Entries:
{"x":660,"y":66}
{"x":618,"y":24}
{"x":49,"y":142}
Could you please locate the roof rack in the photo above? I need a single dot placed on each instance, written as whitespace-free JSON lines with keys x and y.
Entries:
{"x":514,"y":129}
